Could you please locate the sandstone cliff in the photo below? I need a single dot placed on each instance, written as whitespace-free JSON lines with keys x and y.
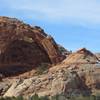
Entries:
{"x":23,"y":47}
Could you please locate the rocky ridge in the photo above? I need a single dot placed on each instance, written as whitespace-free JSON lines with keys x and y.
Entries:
{"x":82,"y":56}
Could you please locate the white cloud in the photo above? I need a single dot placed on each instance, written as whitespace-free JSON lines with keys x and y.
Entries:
{"x":73,"y":10}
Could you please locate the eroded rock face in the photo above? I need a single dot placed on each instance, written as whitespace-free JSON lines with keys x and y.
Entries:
{"x":69,"y":82}
{"x":82,"y":56}
{"x":62,"y":81}
{"x":23,"y":47}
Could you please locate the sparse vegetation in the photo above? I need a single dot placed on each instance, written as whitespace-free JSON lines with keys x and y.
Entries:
{"x":12,"y":98}
{"x":42,"y":68}
{"x":56,"y":97}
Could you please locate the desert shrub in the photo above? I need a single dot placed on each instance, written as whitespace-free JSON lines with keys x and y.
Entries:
{"x":56,"y":97}
{"x":7,"y":98}
{"x":42,"y":68}
{"x":36,"y":97}
{"x":97,"y":96}
{"x":81,"y":97}
{"x":20,"y":98}
{"x":62,"y":49}
{"x":12,"y":98}
{"x":59,"y":97}
{"x":44,"y":98}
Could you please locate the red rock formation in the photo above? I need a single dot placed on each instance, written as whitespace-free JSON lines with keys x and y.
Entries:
{"x":85,"y":51}
{"x":23,"y":45}
{"x":81,"y":56}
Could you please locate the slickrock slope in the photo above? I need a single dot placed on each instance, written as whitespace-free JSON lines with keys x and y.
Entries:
{"x":81,"y":56}
{"x":63,"y":81}
{"x":23,"y":47}
{"x":50,"y":84}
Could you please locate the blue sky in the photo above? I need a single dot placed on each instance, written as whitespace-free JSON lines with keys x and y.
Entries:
{"x":73,"y":23}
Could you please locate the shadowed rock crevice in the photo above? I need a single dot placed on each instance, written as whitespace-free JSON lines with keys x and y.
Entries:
{"x":19,"y":51}
{"x":20,"y":57}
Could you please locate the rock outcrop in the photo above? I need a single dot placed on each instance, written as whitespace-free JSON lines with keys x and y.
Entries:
{"x":66,"y":78}
{"x":59,"y":81}
{"x":23,"y":47}
{"x":64,"y":51}
{"x":82,"y":56}
{"x":98,"y":55}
